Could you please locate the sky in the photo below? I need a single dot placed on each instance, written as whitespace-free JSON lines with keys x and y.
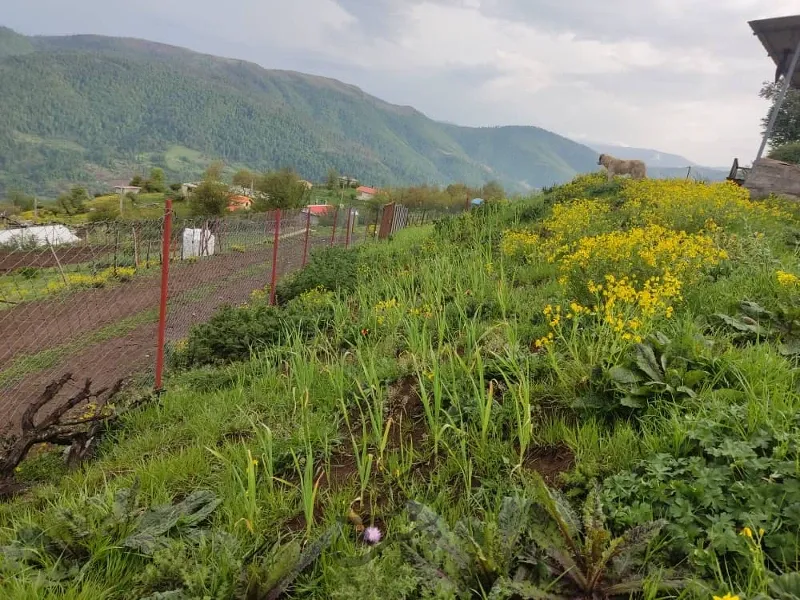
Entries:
{"x":680,"y":76}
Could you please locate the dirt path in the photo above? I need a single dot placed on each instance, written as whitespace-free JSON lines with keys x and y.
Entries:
{"x":67,"y":323}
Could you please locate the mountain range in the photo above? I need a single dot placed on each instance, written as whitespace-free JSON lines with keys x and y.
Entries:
{"x":95,"y":110}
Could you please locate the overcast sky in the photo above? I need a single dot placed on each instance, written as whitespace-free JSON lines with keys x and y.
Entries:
{"x":680,"y":76}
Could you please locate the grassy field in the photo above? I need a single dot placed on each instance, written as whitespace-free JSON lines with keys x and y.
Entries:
{"x":591,"y":393}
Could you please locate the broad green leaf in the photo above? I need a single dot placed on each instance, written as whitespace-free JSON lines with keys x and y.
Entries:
{"x":755,"y":310}
{"x":741,"y":325}
{"x":646,"y":361}
{"x":694,"y":377}
{"x":632,"y":402}
{"x":624,"y":375}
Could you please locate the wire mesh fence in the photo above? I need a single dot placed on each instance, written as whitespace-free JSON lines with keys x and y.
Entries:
{"x":86,"y":300}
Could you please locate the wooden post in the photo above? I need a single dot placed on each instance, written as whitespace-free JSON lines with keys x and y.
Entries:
{"x":135,"y":248}
{"x":335,"y":217}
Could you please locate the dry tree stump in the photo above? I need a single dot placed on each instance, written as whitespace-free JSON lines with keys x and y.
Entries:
{"x":57,"y":427}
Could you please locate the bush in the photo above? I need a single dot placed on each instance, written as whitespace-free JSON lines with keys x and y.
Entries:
{"x":234,"y":332}
{"x":788,"y":153}
{"x":331,"y":269}
{"x":28,"y":272}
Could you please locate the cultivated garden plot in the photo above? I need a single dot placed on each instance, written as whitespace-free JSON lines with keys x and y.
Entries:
{"x":91,"y":308}
{"x":588,"y":394}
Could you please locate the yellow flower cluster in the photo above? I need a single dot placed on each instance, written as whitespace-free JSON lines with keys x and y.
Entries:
{"x":688,"y":205}
{"x":568,"y":222}
{"x":383,"y":307}
{"x":85,"y":280}
{"x":386,"y":305}
{"x":645,"y":252}
{"x":572,"y":221}
{"x":517,"y":244}
{"x":787,"y":280}
{"x":421,"y":311}
{"x":624,"y":309}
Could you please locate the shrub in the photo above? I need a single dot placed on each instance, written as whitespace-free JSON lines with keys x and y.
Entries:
{"x":787,"y":152}
{"x":28,"y":272}
{"x":331,"y":269}
{"x":234,"y":332}
{"x":588,"y":185}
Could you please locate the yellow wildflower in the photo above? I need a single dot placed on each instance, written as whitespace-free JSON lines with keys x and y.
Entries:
{"x":787,"y":280}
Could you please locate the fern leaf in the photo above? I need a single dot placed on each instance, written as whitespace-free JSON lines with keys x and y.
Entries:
{"x":506,"y":588}
{"x":434,"y":528}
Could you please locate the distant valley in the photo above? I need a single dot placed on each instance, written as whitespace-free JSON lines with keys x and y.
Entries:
{"x":95,"y":110}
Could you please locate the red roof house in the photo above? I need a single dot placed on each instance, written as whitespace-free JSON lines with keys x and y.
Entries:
{"x":318,"y":210}
{"x":366,"y":193}
{"x":239,"y":203}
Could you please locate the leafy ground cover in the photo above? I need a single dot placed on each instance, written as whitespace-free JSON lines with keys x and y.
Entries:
{"x":591,"y":393}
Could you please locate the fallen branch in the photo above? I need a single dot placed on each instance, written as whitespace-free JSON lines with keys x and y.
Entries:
{"x":53,"y":429}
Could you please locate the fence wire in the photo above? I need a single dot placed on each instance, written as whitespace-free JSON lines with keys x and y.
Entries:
{"x":85,"y":300}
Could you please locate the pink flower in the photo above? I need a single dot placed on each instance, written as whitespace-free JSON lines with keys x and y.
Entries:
{"x":372,"y":535}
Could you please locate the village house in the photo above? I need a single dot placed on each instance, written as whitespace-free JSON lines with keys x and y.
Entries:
{"x":126,"y":189}
{"x":318,"y":211}
{"x":366,"y":193}
{"x":239,"y":203}
{"x":188,"y":188}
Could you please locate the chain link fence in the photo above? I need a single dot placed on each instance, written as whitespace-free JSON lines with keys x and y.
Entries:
{"x":86,"y":300}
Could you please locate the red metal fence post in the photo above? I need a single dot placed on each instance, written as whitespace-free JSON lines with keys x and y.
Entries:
{"x":347,"y":239}
{"x":335,"y":216}
{"x":274,"y":277}
{"x":162,"y":314}
{"x":308,"y":229}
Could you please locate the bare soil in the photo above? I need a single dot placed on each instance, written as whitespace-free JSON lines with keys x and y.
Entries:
{"x":196,"y":291}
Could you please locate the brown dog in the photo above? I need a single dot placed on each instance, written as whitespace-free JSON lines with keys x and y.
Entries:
{"x":617,"y":166}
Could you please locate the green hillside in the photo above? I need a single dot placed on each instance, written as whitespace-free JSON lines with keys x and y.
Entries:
{"x":92,"y":109}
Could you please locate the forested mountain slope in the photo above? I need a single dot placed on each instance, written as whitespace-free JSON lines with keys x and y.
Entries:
{"x":92,"y":108}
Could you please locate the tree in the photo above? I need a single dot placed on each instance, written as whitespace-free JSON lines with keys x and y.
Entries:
{"x":332,"y":182}
{"x":137,"y":181}
{"x":73,"y":201}
{"x":156,"y":184}
{"x":214,"y":171}
{"x":493,"y":192}
{"x":283,"y":189}
{"x":244,"y":178}
{"x":210,"y":198}
{"x":787,"y":124}
{"x":377,"y":202}
{"x":20,"y":200}
{"x":787,"y":153}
